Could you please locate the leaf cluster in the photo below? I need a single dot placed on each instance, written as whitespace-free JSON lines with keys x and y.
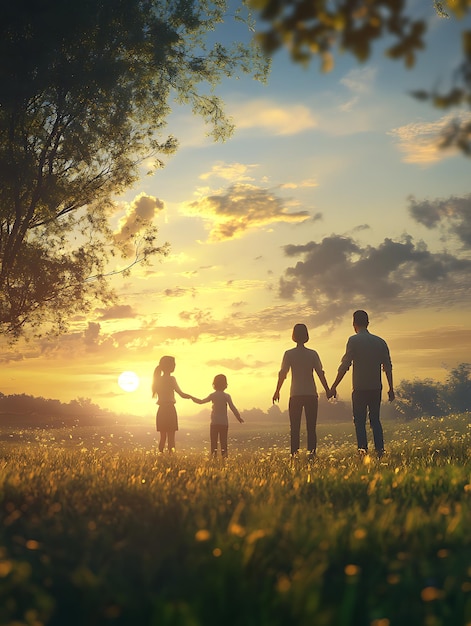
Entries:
{"x":85,"y":90}
{"x":308,"y":28}
{"x":324,"y":28}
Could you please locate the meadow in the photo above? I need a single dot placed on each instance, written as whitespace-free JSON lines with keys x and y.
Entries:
{"x":97,"y":528}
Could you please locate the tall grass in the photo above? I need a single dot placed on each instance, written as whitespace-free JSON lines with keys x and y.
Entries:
{"x":98,"y":530}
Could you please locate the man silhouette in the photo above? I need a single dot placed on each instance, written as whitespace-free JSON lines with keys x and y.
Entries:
{"x":369,"y":355}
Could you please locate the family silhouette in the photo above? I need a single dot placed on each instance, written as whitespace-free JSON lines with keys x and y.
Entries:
{"x":368,"y":353}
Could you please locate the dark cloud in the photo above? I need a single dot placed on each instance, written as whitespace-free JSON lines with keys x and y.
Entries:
{"x":117,"y":312}
{"x":139,"y":215}
{"x":178,"y":292}
{"x":91,"y":334}
{"x":338,"y":275}
{"x":451,"y":216}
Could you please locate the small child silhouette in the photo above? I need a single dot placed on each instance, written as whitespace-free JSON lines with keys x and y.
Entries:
{"x":164,"y":386}
{"x":219,"y":421}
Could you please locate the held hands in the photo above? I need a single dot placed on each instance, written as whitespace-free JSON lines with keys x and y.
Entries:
{"x":332,"y":393}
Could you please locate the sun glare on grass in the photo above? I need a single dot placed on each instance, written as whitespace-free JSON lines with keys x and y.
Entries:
{"x":128,"y":381}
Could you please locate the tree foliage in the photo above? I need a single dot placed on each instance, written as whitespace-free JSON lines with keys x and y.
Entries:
{"x":322,"y":28}
{"x":428,"y":398}
{"x":85,"y":89}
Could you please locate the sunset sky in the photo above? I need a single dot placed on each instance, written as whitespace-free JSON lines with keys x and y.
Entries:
{"x":332,"y":195}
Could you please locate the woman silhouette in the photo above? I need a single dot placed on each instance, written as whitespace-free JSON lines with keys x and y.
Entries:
{"x":303,"y":394}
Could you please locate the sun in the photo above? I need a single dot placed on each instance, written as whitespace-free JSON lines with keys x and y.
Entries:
{"x":128,"y":381}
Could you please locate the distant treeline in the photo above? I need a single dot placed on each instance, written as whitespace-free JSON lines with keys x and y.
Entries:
{"x":416,"y":398}
{"x":25,"y":410}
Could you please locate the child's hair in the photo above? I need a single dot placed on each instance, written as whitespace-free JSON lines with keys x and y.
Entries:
{"x":220,"y":382}
{"x":166,"y":364}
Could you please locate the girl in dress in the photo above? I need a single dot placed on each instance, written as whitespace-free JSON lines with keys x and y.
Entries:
{"x":164,"y":386}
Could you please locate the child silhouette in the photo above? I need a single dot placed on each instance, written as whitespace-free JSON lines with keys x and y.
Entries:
{"x":164,"y":386}
{"x":219,"y":421}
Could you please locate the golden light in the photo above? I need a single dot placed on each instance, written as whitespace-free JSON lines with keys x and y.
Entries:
{"x":128,"y":381}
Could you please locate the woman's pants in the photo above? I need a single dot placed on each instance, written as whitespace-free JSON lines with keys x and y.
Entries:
{"x":295,"y":408}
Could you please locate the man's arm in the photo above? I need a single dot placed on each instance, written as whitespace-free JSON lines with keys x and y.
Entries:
{"x":343,"y":369}
{"x":389,"y":376}
{"x":338,"y":379}
{"x":387,"y":369}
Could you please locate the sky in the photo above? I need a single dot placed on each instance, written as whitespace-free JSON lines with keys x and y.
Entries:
{"x":331,"y":195}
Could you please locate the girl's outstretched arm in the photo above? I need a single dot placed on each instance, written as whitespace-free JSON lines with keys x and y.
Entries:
{"x":198,"y":401}
{"x":180,"y":392}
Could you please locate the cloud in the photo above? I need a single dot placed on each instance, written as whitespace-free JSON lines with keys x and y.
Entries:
{"x":358,"y":81}
{"x":452,"y":216}
{"x":91,"y":334}
{"x":338,"y":275}
{"x":117,"y":312}
{"x":139,"y":215}
{"x":450,"y":345}
{"x":308,"y":182}
{"x":240,"y":208}
{"x":235,"y":364}
{"x":420,"y":141}
{"x":275,"y":119}
{"x":444,"y":338}
{"x":178,"y":292}
{"x":230,"y":171}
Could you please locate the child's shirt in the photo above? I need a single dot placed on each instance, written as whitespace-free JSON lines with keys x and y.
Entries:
{"x":221,"y":400}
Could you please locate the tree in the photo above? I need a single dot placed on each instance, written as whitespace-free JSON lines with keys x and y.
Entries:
{"x":428,"y":398}
{"x":85,"y":89}
{"x":458,"y":388}
{"x":420,"y":398}
{"x":309,"y":28}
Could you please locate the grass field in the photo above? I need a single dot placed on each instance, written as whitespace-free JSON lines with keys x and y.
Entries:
{"x":96,"y":528}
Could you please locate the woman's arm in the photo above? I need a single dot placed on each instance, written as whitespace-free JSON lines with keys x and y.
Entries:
{"x":324,"y":382}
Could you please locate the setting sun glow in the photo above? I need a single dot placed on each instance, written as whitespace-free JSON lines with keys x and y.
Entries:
{"x":128,"y":381}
